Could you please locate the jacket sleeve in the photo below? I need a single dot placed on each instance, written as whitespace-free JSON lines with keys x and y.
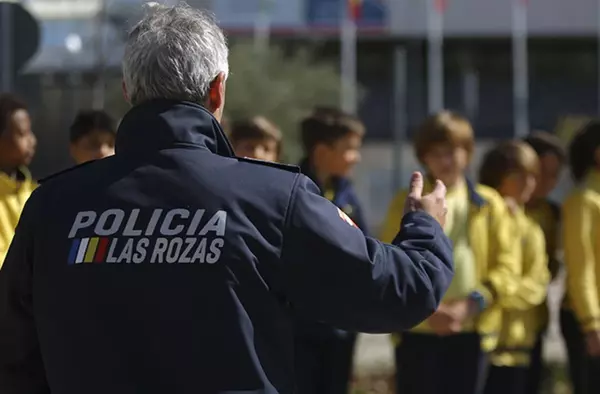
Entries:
{"x":534,"y":281}
{"x":21,"y":367}
{"x":503,"y":277}
{"x":334,"y":274}
{"x":580,"y":261}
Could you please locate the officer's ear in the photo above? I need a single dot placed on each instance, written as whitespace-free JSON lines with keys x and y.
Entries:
{"x":125,"y":94}
{"x":216,"y":96}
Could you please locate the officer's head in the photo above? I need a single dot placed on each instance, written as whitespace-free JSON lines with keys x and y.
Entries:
{"x":444,"y":145}
{"x":332,"y":140}
{"x":256,"y":138}
{"x":176,"y":53}
{"x":92,"y":136}
{"x":17,"y":141}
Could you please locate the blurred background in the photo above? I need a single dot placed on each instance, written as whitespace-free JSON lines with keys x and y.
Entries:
{"x":510,"y":66}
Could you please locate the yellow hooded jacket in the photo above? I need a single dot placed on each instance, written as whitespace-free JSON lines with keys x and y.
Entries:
{"x":581,"y":233}
{"x":497,"y":269}
{"x":521,"y":322}
{"x":14,"y":192}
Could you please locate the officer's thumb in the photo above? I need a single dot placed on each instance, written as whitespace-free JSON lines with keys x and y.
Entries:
{"x":416,"y":186}
{"x":440,"y":189}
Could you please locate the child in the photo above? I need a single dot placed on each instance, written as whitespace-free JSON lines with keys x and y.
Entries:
{"x":449,"y":349}
{"x":17,"y":148}
{"x":546,"y":213}
{"x":580,"y":314}
{"x":511,"y":168}
{"x":332,"y":142}
{"x":256,"y":138}
{"x":92,"y":136}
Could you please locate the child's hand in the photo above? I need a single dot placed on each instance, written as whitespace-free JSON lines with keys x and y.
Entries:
{"x":443,"y":322}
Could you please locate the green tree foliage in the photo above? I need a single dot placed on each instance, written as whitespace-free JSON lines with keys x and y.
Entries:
{"x":283,"y":87}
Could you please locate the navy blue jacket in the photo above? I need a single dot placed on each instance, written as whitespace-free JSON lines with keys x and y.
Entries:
{"x":173,"y":267}
{"x":345,"y":198}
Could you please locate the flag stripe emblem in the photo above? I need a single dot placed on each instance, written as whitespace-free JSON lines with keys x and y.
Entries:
{"x":91,"y":250}
{"x":82,"y":249}
{"x":73,"y":251}
{"x":101,"y":252}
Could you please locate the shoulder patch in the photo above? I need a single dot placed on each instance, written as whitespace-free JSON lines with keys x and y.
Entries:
{"x":346,"y":218}
{"x":285,"y":167}
{"x":57,"y":174}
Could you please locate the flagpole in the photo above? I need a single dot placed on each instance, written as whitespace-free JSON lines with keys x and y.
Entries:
{"x":400,"y":112}
{"x":520,"y":68}
{"x":348,"y":100}
{"x":262,"y":26}
{"x":435,"y":48}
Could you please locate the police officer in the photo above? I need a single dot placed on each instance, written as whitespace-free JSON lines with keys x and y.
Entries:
{"x":174,"y":267}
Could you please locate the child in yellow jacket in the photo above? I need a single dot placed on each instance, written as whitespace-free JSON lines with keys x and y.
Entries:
{"x":546,"y":213}
{"x":580,"y":314}
{"x":449,"y":350}
{"x":17,"y":147}
{"x":512,"y":168}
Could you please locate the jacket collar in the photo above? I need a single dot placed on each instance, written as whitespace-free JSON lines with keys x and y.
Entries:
{"x":475,"y":197}
{"x":161,"y":124}
{"x":592,"y":180}
{"x":21,"y":175}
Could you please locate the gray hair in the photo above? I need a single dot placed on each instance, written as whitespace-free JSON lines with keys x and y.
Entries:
{"x":173,"y":53}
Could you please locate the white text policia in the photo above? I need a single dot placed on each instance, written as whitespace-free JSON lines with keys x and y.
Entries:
{"x":174,"y":236}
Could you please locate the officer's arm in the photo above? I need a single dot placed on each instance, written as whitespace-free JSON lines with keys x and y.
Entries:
{"x":21,"y":367}
{"x":334,"y":274}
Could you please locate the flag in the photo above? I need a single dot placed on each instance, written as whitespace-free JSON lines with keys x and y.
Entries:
{"x":354,"y":9}
{"x":441,"y":5}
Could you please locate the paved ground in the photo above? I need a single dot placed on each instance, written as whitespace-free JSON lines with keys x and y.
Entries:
{"x":374,"y":353}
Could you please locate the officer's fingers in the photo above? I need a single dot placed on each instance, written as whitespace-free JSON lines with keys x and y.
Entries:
{"x":416,"y":185}
{"x":440,"y":189}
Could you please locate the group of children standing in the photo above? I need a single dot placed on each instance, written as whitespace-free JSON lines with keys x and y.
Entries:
{"x":487,"y":335}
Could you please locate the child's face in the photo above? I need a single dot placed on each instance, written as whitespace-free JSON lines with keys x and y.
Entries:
{"x":261,"y":149}
{"x":95,"y":145}
{"x":340,"y":157}
{"x":550,"y":168}
{"x":446,"y":162}
{"x":17,"y":141}
{"x":518,"y":186}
